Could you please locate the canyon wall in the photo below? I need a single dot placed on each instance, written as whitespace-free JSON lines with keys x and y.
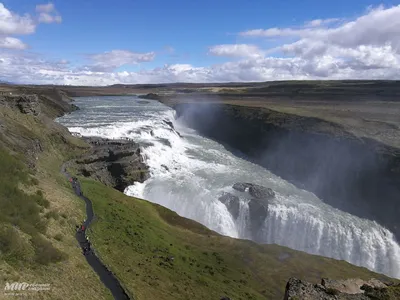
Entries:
{"x":357,"y":175}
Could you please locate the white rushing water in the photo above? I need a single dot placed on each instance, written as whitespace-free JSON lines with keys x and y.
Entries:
{"x":189,"y":173}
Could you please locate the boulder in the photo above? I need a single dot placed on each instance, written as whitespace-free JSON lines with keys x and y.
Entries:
{"x":255,"y":190}
{"x":241,"y":187}
{"x":350,"y":289}
{"x":298,"y":289}
{"x":351,"y":286}
{"x":260,"y":192}
{"x":232,"y":202}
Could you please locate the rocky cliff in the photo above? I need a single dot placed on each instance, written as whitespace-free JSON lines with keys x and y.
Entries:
{"x":51,"y":102}
{"x":357,"y":175}
{"x":115,"y":163}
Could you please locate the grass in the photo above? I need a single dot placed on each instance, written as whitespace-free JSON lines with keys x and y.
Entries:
{"x":17,"y":208}
{"x":159,"y":255}
{"x":38,"y":211}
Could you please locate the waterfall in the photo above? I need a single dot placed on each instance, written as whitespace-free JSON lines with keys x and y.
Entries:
{"x":189,"y":174}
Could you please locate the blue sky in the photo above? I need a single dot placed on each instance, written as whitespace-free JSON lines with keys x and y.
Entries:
{"x":184,"y":33}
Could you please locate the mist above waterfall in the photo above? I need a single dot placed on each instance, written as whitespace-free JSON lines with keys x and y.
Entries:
{"x":190,"y":173}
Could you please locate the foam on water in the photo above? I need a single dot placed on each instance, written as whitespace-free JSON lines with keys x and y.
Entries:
{"x":189,"y":174}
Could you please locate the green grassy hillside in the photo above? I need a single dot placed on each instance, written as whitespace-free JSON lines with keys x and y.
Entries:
{"x":38,"y":210}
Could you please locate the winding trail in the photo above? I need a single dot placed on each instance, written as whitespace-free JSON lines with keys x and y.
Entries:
{"x":106,"y":276}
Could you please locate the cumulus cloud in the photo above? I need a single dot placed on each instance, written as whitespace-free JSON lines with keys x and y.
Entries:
{"x":11,"y":23}
{"x":48,"y":14}
{"x":12,"y":43}
{"x":14,"y":24}
{"x":370,"y":42}
{"x":236,"y":50}
{"x":109,"y":61}
{"x":378,"y":27}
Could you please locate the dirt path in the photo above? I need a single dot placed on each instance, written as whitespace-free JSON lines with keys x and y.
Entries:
{"x":106,"y":276}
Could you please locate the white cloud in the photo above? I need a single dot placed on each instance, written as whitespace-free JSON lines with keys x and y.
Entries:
{"x":14,"y":24}
{"x":321,"y":22}
{"x":12,"y":43}
{"x":33,"y":69}
{"x":370,"y":42}
{"x":236,"y":50}
{"x":45,"y":8}
{"x":109,"y":61}
{"x":48,"y":14}
{"x":47,"y":18}
{"x":378,"y":27}
{"x":11,"y":23}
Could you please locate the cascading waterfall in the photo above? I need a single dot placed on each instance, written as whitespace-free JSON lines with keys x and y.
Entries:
{"x":189,"y":174}
{"x":360,"y":242}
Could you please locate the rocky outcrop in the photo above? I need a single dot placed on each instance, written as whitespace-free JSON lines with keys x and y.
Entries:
{"x":171,"y":125}
{"x":50,"y":102}
{"x":357,"y":175}
{"x":232,"y":203}
{"x":150,"y":96}
{"x":351,"y":289}
{"x":257,"y":191}
{"x":26,"y":104}
{"x":116,"y":163}
{"x":258,"y":204}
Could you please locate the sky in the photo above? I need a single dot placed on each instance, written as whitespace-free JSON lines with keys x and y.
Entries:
{"x":98,"y":42}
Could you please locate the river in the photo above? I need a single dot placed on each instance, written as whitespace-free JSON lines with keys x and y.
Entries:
{"x":189,"y":173}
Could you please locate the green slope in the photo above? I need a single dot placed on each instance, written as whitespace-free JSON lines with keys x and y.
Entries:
{"x":138,"y":239}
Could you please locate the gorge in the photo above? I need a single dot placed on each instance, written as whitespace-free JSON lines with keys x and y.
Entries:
{"x":189,"y":173}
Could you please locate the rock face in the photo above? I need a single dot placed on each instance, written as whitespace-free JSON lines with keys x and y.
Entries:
{"x":116,"y":163}
{"x":351,"y":289}
{"x":258,"y":204}
{"x":26,"y":104}
{"x":232,"y":202}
